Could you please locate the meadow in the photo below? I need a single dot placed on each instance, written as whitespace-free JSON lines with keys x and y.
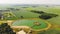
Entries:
{"x":26,"y":13}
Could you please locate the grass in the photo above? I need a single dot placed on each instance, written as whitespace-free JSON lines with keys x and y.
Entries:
{"x":25,"y":12}
{"x":2,"y":22}
{"x":57,"y":28}
{"x":30,"y":23}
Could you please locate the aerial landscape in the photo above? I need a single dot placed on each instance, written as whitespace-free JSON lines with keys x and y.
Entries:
{"x":30,"y":18}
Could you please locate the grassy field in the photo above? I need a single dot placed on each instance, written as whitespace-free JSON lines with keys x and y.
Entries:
{"x":25,"y":12}
{"x":54,"y":10}
{"x":31,"y":23}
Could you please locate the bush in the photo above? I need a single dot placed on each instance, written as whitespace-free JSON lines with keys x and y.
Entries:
{"x":5,"y":29}
{"x":39,"y":12}
{"x":47,"y":16}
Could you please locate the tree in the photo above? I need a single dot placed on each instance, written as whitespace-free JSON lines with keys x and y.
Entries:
{"x":6,"y":29}
{"x":47,"y":16}
{"x":39,"y":12}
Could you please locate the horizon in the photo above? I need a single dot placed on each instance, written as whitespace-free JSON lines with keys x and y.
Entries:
{"x":48,"y":2}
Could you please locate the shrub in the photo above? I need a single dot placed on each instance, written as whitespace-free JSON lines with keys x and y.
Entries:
{"x":39,"y":12}
{"x":6,"y":29}
{"x":47,"y":16}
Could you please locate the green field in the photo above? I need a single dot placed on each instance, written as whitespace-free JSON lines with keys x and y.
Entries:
{"x":31,"y":23}
{"x":54,"y":10}
{"x":25,"y":12}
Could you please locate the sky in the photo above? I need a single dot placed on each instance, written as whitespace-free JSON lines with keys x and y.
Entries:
{"x":30,"y":2}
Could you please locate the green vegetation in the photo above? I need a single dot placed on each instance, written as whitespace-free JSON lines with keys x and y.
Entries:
{"x":47,"y":16}
{"x":31,"y":23}
{"x":44,"y":15}
{"x":25,"y":14}
{"x":6,"y":29}
{"x":19,"y":12}
{"x":51,"y":31}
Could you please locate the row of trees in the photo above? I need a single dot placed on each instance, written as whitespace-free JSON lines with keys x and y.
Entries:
{"x":44,"y":15}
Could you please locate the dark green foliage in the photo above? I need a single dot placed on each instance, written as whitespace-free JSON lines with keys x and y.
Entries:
{"x":39,"y":12}
{"x":5,"y":29}
{"x":13,"y":9}
{"x":0,"y":15}
{"x":44,"y":15}
{"x":47,"y":16}
{"x":22,"y":17}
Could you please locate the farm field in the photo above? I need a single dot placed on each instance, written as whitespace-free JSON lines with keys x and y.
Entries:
{"x":24,"y":12}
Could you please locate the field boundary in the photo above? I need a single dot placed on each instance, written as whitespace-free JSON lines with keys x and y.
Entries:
{"x":49,"y":25}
